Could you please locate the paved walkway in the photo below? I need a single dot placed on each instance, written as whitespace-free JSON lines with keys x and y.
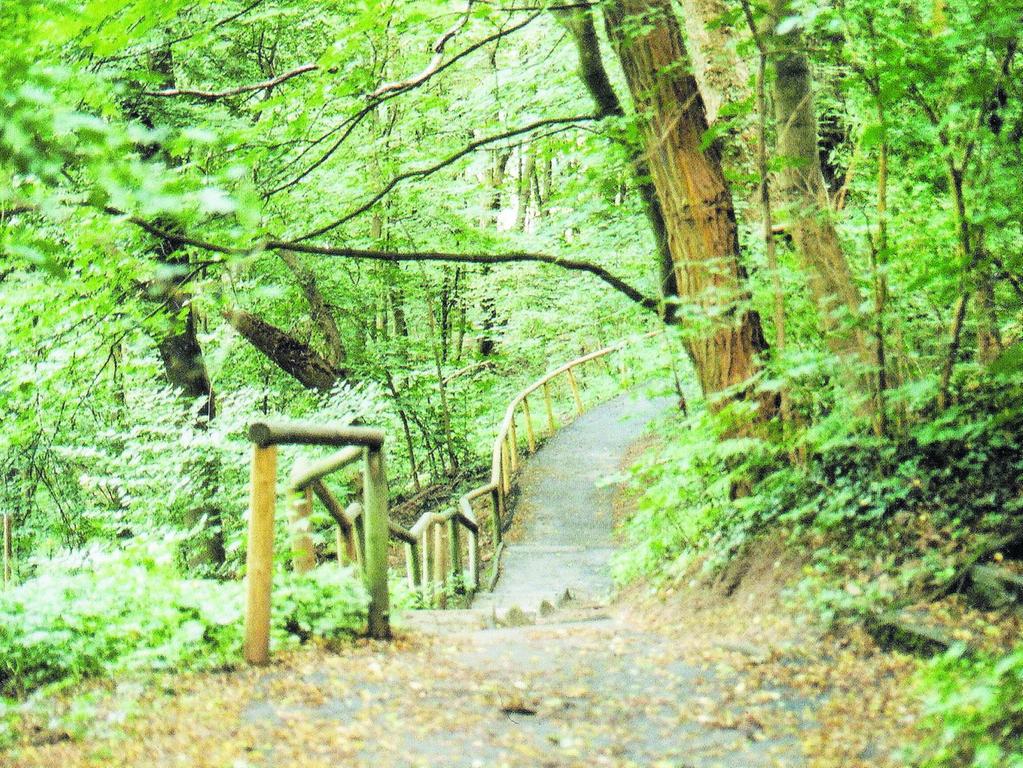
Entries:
{"x":561,"y":539}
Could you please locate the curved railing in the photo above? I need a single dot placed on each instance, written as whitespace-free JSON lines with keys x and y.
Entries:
{"x":433,"y":549}
{"x":505,"y":453}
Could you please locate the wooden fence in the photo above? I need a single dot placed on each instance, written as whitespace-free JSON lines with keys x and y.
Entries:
{"x":433,"y":545}
{"x":504,"y":462}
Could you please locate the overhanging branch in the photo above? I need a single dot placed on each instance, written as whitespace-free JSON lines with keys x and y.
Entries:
{"x":294,"y":246}
{"x":475,"y":258}
{"x":214,"y":95}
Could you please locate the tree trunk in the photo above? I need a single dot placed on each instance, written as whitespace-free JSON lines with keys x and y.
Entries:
{"x":805,"y":193}
{"x":594,"y":76}
{"x":695,"y":198}
{"x":296,"y":358}
{"x":722,"y":75}
{"x":319,"y":310}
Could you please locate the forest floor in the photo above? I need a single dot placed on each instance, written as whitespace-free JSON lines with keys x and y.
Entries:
{"x":688,"y":677}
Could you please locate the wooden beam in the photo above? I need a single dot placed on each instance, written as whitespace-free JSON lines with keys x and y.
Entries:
{"x":280,"y":432}
{"x":305,"y":474}
{"x":377,"y":536}
{"x":303,"y":551}
{"x":552,"y":425}
{"x":575,"y":392}
{"x":259,"y":555}
{"x":530,"y":435}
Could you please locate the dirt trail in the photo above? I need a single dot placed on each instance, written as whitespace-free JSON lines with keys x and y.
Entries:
{"x":588,"y":685}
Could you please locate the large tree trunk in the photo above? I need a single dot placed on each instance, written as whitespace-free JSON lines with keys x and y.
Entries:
{"x":723,"y":76}
{"x":594,"y":76}
{"x":694,"y":195}
{"x":294,"y":357}
{"x":805,"y":193}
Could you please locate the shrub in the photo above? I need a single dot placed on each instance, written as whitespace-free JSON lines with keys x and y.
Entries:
{"x":973,"y":715}
{"x":130,"y":610}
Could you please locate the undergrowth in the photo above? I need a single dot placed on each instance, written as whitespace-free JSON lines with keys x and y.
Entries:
{"x":884,"y":522}
{"x":973,"y":712}
{"x":103,"y":612}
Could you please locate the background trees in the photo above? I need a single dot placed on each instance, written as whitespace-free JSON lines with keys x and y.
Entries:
{"x":400,"y":211}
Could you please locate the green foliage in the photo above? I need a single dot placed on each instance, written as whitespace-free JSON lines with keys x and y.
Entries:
{"x":973,"y":712}
{"x":99,"y":612}
{"x":880,"y":504}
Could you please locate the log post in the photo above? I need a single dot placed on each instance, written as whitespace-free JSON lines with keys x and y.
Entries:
{"x":412,"y":565}
{"x":551,"y":424}
{"x":530,"y":435}
{"x":513,"y":444}
{"x":497,"y":499}
{"x":259,"y":555}
{"x":474,"y":560}
{"x":377,"y":534}
{"x":341,"y":545}
{"x":8,"y":549}
{"x":505,"y":468}
{"x":454,"y":546}
{"x":575,"y":392}
{"x":439,"y":564}
{"x":424,"y":563}
{"x":303,"y":551}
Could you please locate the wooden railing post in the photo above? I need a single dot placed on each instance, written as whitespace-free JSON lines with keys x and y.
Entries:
{"x":412,"y":565}
{"x":513,"y":445}
{"x":303,"y":551}
{"x":474,"y":560}
{"x":530,"y":435}
{"x":425,"y":556}
{"x":497,"y":497}
{"x":575,"y":392}
{"x":454,"y":547}
{"x":505,"y":468}
{"x":551,"y":424}
{"x":377,"y":535}
{"x":260,"y":553}
{"x":440,"y":564}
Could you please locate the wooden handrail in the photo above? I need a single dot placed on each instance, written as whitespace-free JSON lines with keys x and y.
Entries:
{"x":367,"y":531}
{"x":363,"y":529}
{"x":504,"y":455}
{"x":282,"y":432}
{"x":306,"y":474}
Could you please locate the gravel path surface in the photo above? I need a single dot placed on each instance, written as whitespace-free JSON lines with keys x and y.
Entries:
{"x":562,"y":536}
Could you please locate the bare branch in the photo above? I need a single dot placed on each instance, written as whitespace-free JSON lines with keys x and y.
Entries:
{"x":473,"y":258}
{"x":435,"y":62}
{"x":272,"y":244}
{"x":349,"y":124}
{"x":213,"y":95}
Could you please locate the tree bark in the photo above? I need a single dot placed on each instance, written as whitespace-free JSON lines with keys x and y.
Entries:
{"x":695,"y":197}
{"x":723,"y":76}
{"x":294,"y":357}
{"x":319,"y":309}
{"x":805,"y":193}
{"x":593,"y":74}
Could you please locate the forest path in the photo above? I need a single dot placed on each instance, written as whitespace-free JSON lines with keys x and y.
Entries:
{"x":561,"y":538}
{"x":584,"y":685}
